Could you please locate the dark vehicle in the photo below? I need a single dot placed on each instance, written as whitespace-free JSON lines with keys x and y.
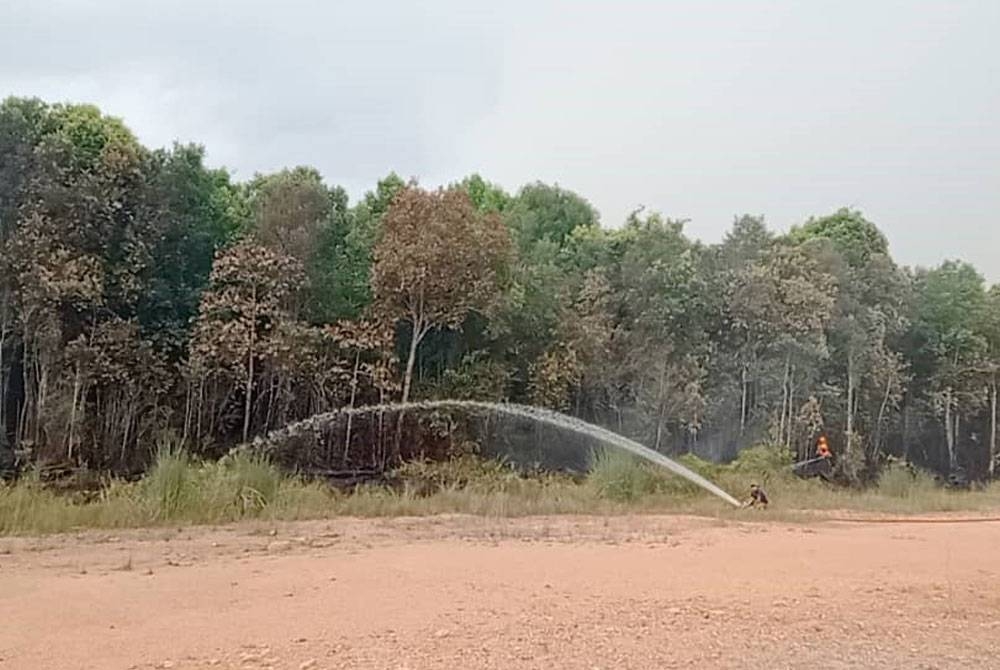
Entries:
{"x":814,"y":467}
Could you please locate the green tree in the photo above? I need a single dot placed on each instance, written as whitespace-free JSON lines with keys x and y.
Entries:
{"x":23,"y":125}
{"x":856,"y":238}
{"x":950,"y":308}
{"x":290,"y":210}
{"x":75,"y":252}
{"x":661,"y":344}
{"x":782,"y":305}
{"x":348,"y":248}
{"x":485,"y":196}
{"x":338,"y":271}
{"x":868,"y":316}
{"x":990,"y":328}
{"x":196,"y":212}
{"x":543,"y":214}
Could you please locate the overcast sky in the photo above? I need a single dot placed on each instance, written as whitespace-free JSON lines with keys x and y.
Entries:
{"x":702,"y":110}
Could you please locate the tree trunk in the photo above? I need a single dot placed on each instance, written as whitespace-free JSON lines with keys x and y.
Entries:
{"x":271,"y":384}
{"x":661,"y":409}
{"x":949,"y":434}
{"x":784,"y":399}
{"x":419,"y":330}
{"x":993,"y":426}
{"x":791,"y":409}
{"x":126,"y":425}
{"x":849,"y":448}
{"x":416,"y":336}
{"x":72,"y":414}
{"x":201,"y":409}
{"x":27,"y":392}
{"x":958,"y":431}
{"x":3,"y":376}
{"x":40,"y":400}
{"x":248,"y":406}
{"x":350,"y":417}
{"x":743,"y":398}
{"x":877,"y":446}
{"x":6,"y":448}
{"x":378,"y":455}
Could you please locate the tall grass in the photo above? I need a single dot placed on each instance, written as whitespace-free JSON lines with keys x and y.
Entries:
{"x":181,"y":490}
{"x":620,"y":476}
{"x":169,"y":486}
{"x":177,"y":489}
{"x":902,"y":490}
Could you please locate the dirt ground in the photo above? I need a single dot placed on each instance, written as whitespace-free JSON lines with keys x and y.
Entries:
{"x":461,"y":592}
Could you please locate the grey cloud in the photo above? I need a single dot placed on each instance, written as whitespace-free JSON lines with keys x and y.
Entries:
{"x":701,"y":110}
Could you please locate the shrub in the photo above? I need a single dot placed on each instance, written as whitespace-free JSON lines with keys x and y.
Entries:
{"x":900,"y":480}
{"x":424,"y":478}
{"x":170,"y":482}
{"x":248,"y":480}
{"x":762,"y":459}
{"x":620,"y":476}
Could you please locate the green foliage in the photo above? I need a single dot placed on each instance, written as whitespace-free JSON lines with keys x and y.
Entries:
{"x":198,"y":211}
{"x":853,"y":236}
{"x":903,"y":481}
{"x":291,"y":208}
{"x":477,"y":377}
{"x":950,"y":303}
{"x":542,"y":214}
{"x":485,"y":196}
{"x":88,"y":134}
{"x":763,"y":459}
{"x":338,"y":269}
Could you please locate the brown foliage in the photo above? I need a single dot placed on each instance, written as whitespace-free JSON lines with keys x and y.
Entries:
{"x":437,"y":260}
{"x":247,"y":302}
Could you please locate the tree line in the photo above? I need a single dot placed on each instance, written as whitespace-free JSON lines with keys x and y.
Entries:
{"x":145,"y":297}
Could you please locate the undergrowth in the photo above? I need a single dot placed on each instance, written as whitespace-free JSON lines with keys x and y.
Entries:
{"x":181,"y":490}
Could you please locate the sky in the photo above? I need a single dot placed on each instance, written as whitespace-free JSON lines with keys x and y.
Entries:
{"x":701,"y":110}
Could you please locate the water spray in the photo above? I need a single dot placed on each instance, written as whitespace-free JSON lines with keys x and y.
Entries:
{"x":314,"y":423}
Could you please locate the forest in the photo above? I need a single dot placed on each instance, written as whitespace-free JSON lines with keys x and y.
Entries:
{"x":146,"y":298}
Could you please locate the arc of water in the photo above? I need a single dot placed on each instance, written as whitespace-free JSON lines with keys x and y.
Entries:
{"x":523,"y":411}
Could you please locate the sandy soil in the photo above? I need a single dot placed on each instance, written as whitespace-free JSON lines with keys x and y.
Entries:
{"x":459,"y":592}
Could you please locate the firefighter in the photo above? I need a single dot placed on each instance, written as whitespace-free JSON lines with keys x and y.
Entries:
{"x":822,"y":449}
{"x":758,"y":497}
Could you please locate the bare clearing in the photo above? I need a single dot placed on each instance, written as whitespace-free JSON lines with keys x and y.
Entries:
{"x":464,"y":592}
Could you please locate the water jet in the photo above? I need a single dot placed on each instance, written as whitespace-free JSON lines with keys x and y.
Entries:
{"x":267,"y":443}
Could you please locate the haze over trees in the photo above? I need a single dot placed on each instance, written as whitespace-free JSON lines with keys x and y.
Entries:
{"x":145,"y":297}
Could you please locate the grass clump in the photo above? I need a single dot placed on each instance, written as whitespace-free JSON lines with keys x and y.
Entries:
{"x":467,"y":484}
{"x":902,"y":481}
{"x":424,"y":478}
{"x":763,"y":459}
{"x":177,"y":489}
{"x":169,"y":487}
{"x":237,"y":486}
{"x":622,"y":477}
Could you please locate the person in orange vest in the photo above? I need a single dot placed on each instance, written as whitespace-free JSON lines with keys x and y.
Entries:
{"x":822,"y":450}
